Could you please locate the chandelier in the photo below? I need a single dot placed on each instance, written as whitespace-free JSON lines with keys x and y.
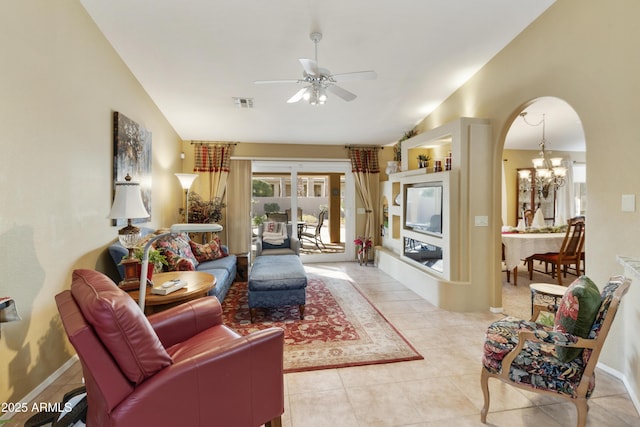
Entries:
{"x":549,"y":172}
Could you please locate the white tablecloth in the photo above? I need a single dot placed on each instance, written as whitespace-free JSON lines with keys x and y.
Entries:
{"x":518,"y":246}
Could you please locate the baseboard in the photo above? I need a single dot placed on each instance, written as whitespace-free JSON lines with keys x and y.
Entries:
{"x":619,"y":375}
{"x":497,"y":310}
{"x":42,"y":386}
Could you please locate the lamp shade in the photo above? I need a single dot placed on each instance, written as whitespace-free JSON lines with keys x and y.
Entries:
{"x":186,"y":179}
{"x":127,"y":202}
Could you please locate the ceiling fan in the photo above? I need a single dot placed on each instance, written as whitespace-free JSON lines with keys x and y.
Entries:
{"x":318,"y":81}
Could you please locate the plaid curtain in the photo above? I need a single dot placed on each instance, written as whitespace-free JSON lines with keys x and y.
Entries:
{"x":215,"y":159}
{"x":364,"y":159}
{"x":212,"y":157}
{"x":365,"y":168}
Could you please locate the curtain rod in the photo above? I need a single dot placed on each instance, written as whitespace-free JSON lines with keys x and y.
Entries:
{"x":379,"y":147}
{"x":213,"y":143}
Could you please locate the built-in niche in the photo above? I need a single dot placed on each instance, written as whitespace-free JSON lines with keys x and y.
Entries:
{"x":435,"y":249}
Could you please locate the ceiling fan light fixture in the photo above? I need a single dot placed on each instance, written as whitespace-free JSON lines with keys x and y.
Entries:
{"x":313,"y":99}
{"x":322,"y":95}
{"x":320,"y":80}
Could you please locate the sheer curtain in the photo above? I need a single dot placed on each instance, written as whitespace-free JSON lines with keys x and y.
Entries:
{"x":239,"y":207}
{"x":366,"y":170}
{"x":565,"y":205}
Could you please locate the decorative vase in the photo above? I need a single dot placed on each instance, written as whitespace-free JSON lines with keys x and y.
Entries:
{"x":392,"y":167}
{"x":363,"y":256}
{"x":150,"y":269}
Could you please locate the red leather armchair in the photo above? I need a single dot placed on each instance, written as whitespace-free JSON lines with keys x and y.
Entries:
{"x":178,"y":367}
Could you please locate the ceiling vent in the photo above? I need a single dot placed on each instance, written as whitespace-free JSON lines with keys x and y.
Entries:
{"x":243,"y":102}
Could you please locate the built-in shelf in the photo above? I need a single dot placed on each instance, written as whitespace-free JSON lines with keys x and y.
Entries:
{"x":442,"y":263}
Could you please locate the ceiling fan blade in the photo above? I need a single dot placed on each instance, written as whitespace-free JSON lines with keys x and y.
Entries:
{"x":262,"y":82}
{"x":342,"y":93}
{"x":310,"y":66}
{"x":298,"y":96}
{"x":356,"y":75}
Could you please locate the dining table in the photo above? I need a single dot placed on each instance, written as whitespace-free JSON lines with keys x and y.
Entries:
{"x":520,"y":246}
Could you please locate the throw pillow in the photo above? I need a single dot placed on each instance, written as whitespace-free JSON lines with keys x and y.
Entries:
{"x":120,"y":324}
{"x":207,"y":252}
{"x":275,"y":227}
{"x":576,"y":313}
{"x":176,"y":245}
{"x":176,"y":262}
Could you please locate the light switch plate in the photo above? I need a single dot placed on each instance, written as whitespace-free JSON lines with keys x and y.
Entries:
{"x":481,"y":221}
{"x":628,"y":203}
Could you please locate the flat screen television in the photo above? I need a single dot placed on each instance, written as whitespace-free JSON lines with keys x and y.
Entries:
{"x":423,"y":208}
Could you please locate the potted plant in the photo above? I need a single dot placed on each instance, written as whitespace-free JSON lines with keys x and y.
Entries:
{"x":204,"y":212}
{"x":259,"y":219}
{"x":423,"y":160}
{"x":156,"y":260}
{"x":363,"y":247}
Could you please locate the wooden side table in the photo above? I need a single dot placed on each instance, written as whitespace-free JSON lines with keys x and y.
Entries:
{"x":198,"y":285}
{"x":546,"y":293}
{"x":242,"y":267}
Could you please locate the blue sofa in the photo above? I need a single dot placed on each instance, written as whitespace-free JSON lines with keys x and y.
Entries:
{"x":224,"y":269}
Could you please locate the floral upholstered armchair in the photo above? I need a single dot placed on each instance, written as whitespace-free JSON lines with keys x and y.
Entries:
{"x":558,"y":361}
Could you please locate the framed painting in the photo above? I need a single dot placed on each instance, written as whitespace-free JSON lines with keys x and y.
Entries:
{"x":132,"y":156}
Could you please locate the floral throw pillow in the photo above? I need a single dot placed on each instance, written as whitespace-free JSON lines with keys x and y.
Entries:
{"x":175,"y":262}
{"x":207,"y":252}
{"x":576,"y":313}
{"x":176,"y":248}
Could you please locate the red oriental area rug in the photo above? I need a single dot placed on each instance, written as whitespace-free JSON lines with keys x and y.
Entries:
{"x":340,"y":327}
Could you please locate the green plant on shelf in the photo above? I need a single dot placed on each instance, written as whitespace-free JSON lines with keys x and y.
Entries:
{"x":423,"y":160}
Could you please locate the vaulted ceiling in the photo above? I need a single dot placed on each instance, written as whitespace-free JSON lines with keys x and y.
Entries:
{"x":193,"y":57}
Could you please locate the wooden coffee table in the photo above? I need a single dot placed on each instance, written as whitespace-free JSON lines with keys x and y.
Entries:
{"x":198,"y":285}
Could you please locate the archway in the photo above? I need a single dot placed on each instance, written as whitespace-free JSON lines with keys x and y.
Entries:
{"x":554,"y":122}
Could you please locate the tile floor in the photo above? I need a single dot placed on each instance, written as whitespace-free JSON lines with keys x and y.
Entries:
{"x":441,"y":390}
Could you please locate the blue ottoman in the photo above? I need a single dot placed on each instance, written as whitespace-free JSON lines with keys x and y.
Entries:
{"x":276,"y":281}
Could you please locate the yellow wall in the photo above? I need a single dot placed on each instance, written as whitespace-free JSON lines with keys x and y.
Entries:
{"x":581,"y":51}
{"x":60,"y":82}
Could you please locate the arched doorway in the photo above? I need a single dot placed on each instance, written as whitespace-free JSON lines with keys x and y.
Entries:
{"x":553,"y":122}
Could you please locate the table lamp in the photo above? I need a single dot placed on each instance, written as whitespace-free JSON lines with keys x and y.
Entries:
{"x":127,"y":204}
{"x":186,"y":179}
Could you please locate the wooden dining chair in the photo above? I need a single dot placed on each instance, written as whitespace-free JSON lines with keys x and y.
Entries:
{"x":570,"y":252}
{"x":515,"y":270}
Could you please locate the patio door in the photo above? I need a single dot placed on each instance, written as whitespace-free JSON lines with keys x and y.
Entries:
{"x":300,"y":191}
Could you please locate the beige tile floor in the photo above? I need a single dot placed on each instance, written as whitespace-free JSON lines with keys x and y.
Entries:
{"x":441,"y":390}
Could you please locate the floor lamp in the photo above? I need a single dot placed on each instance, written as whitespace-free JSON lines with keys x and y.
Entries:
{"x":186,"y":180}
{"x":175,"y":228}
